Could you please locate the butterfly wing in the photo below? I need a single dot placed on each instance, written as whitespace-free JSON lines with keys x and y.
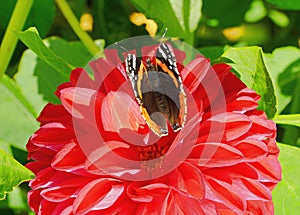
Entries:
{"x":166,"y":62}
{"x":158,"y":89}
{"x":143,"y":90}
{"x":133,"y":65}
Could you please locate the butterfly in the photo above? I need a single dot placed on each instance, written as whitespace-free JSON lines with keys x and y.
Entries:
{"x":158,"y":88}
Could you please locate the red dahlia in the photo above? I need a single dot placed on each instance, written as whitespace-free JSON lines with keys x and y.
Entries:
{"x":95,"y":154}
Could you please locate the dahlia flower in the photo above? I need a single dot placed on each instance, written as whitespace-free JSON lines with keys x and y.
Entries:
{"x":95,"y":154}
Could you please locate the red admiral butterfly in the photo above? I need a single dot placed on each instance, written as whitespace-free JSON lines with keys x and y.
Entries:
{"x":158,"y":89}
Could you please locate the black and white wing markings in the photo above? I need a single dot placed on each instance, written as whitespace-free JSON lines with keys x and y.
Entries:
{"x":132,"y":68}
{"x":158,"y":89}
{"x":166,"y":60}
{"x":166,"y":55}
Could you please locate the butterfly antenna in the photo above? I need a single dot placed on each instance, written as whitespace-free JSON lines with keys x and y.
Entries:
{"x":161,"y":40}
{"x":122,"y":47}
{"x":163,"y":36}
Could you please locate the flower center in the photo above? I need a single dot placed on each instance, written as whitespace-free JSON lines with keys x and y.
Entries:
{"x":151,"y":152}
{"x":148,"y":153}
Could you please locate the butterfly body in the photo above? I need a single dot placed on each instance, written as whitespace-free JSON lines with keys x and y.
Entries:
{"x":158,"y":89}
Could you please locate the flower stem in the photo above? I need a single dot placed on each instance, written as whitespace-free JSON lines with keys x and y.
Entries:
{"x":10,"y":39}
{"x":72,"y":20}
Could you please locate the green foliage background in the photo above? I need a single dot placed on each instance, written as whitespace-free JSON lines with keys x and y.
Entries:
{"x":260,"y":39}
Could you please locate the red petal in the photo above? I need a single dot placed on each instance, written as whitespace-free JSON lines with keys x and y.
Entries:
{"x":143,"y":192}
{"x":242,"y":104}
{"x":36,"y":167}
{"x":178,"y":202}
{"x":258,"y":189}
{"x":194,"y":73}
{"x":114,"y":158}
{"x":269,"y":169}
{"x":69,"y":157}
{"x":49,"y":177}
{"x":80,"y":78}
{"x":173,"y":203}
{"x":54,"y":113}
{"x":61,"y":87}
{"x":123,"y":206}
{"x":34,"y":199}
{"x":52,"y":134}
{"x":231,"y":198}
{"x":227,"y":173}
{"x":180,"y":56}
{"x":189,"y":180}
{"x":42,"y":155}
{"x":108,"y":76}
{"x":263,"y":126}
{"x":63,"y":208}
{"x":230,"y":83}
{"x":154,"y":208}
{"x":74,"y":98}
{"x":149,"y":51}
{"x":210,"y":90}
{"x":58,"y":194}
{"x":215,"y":155}
{"x":224,"y":126}
{"x":42,"y":178}
{"x":112,"y":56}
{"x":97,"y":195}
{"x":260,"y":207}
{"x":46,"y":207}
{"x":273,"y":149}
{"x":252,"y":149}
{"x":120,"y":111}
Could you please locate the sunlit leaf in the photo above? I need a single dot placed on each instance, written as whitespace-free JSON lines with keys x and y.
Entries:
{"x":279,"y":63}
{"x":286,"y":196}
{"x":290,"y":119}
{"x":249,"y":64}
{"x":33,"y":41}
{"x":39,"y":80}
{"x":17,"y":116}
{"x":12,"y":173}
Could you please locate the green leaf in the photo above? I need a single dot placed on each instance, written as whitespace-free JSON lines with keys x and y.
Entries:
{"x":12,"y":174}
{"x":17,"y":116}
{"x":28,"y":82}
{"x":41,"y":15}
{"x":227,"y":14}
{"x":39,"y":80}
{"x":212,"y":52}
{"x":193,"y":13}
{"x":289,"y":81}
{"x":33,"y":41}
{"x":250,"y":67}
{"x":280,"y":64}
{"x":181,"y":17}
{"x":290,"y":119}
{"x":286,"y":4}
{"x":286,"y":196}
